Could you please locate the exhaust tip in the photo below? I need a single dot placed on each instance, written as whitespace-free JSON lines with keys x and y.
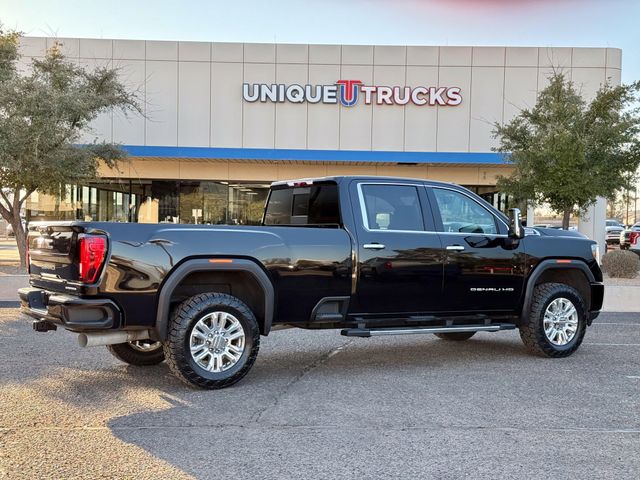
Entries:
{"x":82,"y":340}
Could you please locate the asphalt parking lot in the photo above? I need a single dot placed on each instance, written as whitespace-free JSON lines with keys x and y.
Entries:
{"x":318,"y":405}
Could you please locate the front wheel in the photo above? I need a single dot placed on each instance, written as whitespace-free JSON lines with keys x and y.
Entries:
{"x":213,"y":340}
{"x":141,"y":353}
{"x":557,"y":321}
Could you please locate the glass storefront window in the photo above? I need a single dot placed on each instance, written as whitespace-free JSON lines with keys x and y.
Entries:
{"x":106,"y":201}
{"x":63,"y":206}
{"x":246,"y":203}
{"x":203,"y":202}
{"x":154,"y":201}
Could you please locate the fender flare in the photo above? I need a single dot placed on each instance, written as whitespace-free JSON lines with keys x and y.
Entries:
{"x":550,"y":264}
{"x":203,"y":264}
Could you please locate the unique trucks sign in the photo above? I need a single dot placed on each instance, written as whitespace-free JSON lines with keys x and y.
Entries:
{"x":348,"y":93}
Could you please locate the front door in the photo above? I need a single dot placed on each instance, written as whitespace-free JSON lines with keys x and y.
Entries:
{"x":399,"y":253}
{"x":483,"y":268}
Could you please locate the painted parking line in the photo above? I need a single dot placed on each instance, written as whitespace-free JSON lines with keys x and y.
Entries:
{"x":615,"y":344}
{"x":614,"y":323}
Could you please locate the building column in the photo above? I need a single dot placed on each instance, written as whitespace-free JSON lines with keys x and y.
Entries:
{"x":592,"y":223}
{"x":530,"y":215}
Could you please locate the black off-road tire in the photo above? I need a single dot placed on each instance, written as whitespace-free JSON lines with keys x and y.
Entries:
{"x":532,"y":328}
{"x":177,"y":348}
{"x":128,"y":354}
{"x":455,"y":336}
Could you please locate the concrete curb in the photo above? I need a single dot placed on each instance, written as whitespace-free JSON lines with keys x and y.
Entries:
{"x":621,"y":298}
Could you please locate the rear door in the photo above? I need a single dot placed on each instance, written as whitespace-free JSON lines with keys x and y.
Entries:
{"x":483,"y":268}
{"x":399,"y":254}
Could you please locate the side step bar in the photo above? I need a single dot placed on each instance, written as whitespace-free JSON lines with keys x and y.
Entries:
{"x":375,"y":332}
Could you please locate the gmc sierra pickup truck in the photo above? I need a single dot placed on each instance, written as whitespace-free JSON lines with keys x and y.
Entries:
{"x":368,"y":255}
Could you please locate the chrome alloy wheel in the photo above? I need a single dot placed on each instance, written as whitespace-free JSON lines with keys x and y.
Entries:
{"x":145,"y":345}
{"x":560,"y":321}
{"x":217,"y":341}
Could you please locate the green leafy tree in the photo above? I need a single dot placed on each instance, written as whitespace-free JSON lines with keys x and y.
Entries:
{"x":567,"y":152}
{"x":42,"y":117}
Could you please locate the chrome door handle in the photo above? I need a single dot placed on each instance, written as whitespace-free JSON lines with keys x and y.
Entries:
{"x":456,"y":248}
{"x":373,"y":246}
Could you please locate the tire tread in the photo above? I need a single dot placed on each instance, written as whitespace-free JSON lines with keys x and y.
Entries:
{"x":531,"y":331}
{"x":179,"y":326}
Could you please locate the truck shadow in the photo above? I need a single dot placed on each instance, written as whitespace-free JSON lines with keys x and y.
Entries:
{"x":263,"y":412}
{"x":79,"y":377}
{"x":149,"y":408}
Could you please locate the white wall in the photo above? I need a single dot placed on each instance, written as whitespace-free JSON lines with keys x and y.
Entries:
{"x":192,"y":91}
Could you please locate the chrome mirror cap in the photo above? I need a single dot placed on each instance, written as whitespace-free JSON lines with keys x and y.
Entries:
{"x":516,"y":230}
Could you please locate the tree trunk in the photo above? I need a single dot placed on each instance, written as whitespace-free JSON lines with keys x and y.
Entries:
{"x":21,"y":240}
{"x":10,"y":211}
{"x":566,"y":216}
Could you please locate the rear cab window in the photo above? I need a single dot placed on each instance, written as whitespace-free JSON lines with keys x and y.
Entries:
{"x":308,"y":204}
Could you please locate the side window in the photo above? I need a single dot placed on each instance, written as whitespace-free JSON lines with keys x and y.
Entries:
{"x":461,"y":214}
{"x":314,"y":205}
{"x":392,"y":207}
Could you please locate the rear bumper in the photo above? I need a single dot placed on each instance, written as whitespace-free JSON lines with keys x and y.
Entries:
{"x":73,"y":313}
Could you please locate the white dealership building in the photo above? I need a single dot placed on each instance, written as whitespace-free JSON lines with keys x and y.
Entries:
{"x":222,"y":120}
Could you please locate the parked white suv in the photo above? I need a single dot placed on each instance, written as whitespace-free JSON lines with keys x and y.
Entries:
{"x":613,"y":230}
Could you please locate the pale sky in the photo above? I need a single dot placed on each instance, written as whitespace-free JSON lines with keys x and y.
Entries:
{"x":571,"y":23}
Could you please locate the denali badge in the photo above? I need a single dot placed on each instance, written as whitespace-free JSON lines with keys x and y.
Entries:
{"x":491,"y":289}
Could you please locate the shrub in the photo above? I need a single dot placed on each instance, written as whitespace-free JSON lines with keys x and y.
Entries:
{"x":621,"y":264}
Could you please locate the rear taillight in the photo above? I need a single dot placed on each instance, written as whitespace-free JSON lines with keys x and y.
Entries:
{"x":93,"y":250}
{"x":633,"y":237}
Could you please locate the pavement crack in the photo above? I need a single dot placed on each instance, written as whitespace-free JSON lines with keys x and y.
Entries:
{"x":255,"y":418}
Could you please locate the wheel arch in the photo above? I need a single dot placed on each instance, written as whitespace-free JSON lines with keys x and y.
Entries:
{"x":574,"y":273}
{"x":240,"y":277}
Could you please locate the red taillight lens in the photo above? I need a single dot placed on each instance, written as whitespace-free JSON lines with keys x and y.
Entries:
{"x":93,"y":250}
{"x":633,"y":237}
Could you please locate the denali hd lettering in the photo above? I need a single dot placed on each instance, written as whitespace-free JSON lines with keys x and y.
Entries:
{"x":348,"y":92}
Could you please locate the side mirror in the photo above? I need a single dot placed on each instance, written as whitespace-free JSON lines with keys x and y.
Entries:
{"x":516,"y":230}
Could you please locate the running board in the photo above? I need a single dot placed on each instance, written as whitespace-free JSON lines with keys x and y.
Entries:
{"x":375,"y":332}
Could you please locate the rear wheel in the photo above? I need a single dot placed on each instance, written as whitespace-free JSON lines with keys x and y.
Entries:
{"x":141,"y":352}
{"x":557,"y":321}
{"x":455,"y":336}
{"x":213,"y":340}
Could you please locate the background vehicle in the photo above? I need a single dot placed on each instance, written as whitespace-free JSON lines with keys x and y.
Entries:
{"x":9,"y":230}
{"x":634,"y":241}
{"x":625,"y":234}
{"x":613,"y":229}
{"x":547,"y":225}
{"x":368,"y":255}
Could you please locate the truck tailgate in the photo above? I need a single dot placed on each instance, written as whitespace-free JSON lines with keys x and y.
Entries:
{"x":52,"y":253}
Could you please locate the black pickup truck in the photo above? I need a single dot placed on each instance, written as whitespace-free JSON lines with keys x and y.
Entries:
{"x":368,"y":255}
